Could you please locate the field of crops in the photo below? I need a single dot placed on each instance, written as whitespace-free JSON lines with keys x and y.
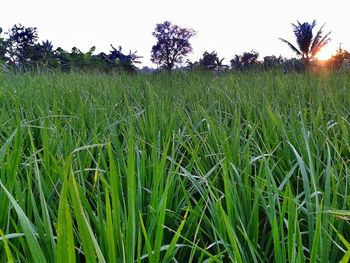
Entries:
{"x":244,"y":167}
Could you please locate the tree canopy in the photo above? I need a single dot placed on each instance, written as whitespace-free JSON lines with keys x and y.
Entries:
{"x":22,"y":46}
{"x":172,"y":44}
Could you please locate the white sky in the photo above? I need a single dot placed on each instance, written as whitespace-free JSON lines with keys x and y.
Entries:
{"x":229,"y":27}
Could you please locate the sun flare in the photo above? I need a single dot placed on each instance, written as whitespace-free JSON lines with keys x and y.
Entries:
{"x":325,"y":53}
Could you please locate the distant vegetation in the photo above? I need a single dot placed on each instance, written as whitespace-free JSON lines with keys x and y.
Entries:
{"x":21,"y":50}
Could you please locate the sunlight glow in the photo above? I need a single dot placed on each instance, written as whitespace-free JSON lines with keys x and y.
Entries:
{"x":325,"y":53}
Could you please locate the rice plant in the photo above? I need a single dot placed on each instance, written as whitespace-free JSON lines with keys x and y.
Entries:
{"x":243,"y":167}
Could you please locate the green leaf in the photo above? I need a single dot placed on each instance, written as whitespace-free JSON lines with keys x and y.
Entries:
{"x":7,"y":248}
{"x":65,"y":236}
{"x":36,"y":252}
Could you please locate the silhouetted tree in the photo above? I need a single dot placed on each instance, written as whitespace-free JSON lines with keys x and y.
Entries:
{"x":308,"y":45}
{"x":211,"y":61}
{"x":2,"y":48}
{"x":172,"y":44}
{"x":122,"y":61}
{"x":273,"y":62}
{"x":247,"y":60}
{"x":22,"y":48}
{"x":47,"y":46}
{"x":337,"y":60}
{"x":47,"y":55}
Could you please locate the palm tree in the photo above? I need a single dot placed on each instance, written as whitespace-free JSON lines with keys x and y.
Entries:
{"x":47,"y":46}
{"x":309,"y":45}
{"x":211,"y":61}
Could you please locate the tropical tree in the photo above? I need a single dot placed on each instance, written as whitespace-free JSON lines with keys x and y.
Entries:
{"x":247,"y":60}
{"x":63,"y":59}
{"x":89,"y":59}
{"x":76,"y":59}
{"x":211,"y":61}
{"x":124,"y":62}
{"x":22,"y":47}
{"x":102,"y":63}
{"x":47,"y":55}
{"x":338,"y":59}
{"x":308,"y":44}
{"x":172,"y":44}
{"x":272,"y":62}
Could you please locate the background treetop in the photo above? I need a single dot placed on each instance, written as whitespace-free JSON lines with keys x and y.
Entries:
{"x":308,"y":45}
{"x":172,"y":44}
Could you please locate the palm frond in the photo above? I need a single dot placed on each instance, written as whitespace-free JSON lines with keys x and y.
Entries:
{"x":326,"y":38}
{"x":313,"y":24}
{"x":303,"y":35}
{"x":291,"y":46}
{"x":295,"y":26}
{"x":324,"y":41}
{"x":316,"y":40}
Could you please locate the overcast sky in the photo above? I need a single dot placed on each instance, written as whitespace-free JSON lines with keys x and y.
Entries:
{"x":229,"y":27}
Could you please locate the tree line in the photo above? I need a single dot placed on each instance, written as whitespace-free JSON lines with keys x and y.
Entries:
{"x":21,"y":50}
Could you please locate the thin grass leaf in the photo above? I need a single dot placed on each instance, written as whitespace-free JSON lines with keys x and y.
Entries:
{"x":169,"y":254}
{"x":4,"y":238}
{"x":28,"y":229}
{"x":65,"y":235}
{"x":91,"y":248}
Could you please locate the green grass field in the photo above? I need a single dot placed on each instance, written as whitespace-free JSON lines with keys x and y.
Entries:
{"x":245,"y":167}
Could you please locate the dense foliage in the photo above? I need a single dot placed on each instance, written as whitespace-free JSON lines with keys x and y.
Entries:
{"x":172,"y":44}
{"x":20,"y":50}
{"x":209,"y":61}
{"x":247,"y":60}
{"x":190,"y":167}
